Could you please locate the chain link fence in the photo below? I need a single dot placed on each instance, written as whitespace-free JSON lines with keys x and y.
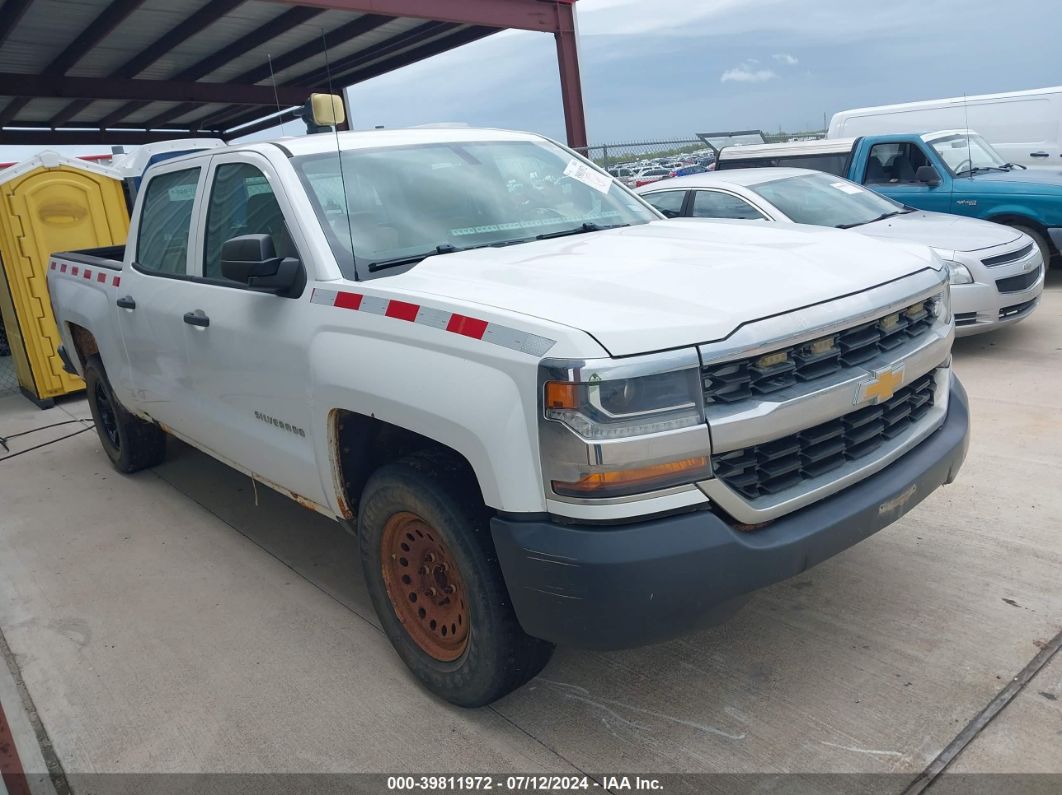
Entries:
{"x":627,"y":160}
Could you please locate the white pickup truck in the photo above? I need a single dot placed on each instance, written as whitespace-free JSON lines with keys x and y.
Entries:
{"x":550,"y":414}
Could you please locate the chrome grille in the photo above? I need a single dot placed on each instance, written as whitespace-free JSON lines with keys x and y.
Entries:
{"x":774,"y":466}
{"x":743,"y":379}
{"x":1012,"y":256}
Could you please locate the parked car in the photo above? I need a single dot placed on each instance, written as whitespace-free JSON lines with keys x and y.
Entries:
{"x":683,"y":171}
{"x":1023,"y":126}
{"x":651,"y":175}
{"x":996,"y":272}
{"x":951,"y":171}
{"x":552,"y":415}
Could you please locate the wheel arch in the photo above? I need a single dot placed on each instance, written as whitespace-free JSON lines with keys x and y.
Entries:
{"x":360,"y":444}
{"x":85,"y":345}
{"x":1017,"y":219}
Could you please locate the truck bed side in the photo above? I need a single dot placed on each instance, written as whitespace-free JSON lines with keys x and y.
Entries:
{"x":84,"y":286}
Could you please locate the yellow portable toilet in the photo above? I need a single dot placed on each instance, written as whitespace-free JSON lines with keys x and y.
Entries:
{"x":49,"y":203}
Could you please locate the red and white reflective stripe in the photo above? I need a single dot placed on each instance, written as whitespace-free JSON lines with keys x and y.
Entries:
{"x":86,"y":273}
{"x":452,"y":322}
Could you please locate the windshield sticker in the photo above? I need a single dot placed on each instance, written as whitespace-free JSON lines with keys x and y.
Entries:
{"x":844,"y":187}
{"x":588,"y":176}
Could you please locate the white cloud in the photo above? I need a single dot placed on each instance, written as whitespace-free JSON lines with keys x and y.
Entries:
{"x":786,"y":58}
{"x":747,"y":73}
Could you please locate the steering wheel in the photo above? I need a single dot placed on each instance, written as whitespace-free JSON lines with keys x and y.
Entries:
{"x":962,"y":166}
{"x":551,"y":210}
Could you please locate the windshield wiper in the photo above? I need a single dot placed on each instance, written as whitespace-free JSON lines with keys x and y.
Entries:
{"x":979,"y":169}
{"x":881,"y":217}
{"x":412,"y":259}
{"x":588,"y":226}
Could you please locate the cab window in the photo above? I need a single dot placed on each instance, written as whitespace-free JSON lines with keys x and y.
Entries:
{"x":669,"y":202}
{"x":242,"y":203}
{"x":715,"y":204}
{"x":165,"y":223}
{"x":895,"y":164}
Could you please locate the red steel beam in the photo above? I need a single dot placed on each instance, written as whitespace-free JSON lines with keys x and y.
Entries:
{"x":319,"y":76}
{"x":256,"y":38}
{"x":35,"y":137}
{"x":380,"y":67}
{"x":570,"y":80}
{"x":95,"y":32}
{"x":209,"y":13}
{"x":340,"y":35}
{"x":23,"y":85}
{"x":538,"y":15}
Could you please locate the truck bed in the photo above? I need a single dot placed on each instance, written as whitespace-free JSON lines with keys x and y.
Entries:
{"x":109,"y":257}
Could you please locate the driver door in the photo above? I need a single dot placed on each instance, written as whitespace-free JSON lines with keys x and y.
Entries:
{"x":891,"y":171}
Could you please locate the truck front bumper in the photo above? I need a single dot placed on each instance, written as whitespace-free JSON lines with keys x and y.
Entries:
{"x":620,"y":586}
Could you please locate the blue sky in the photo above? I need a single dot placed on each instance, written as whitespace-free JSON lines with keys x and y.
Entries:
{"x":671,"y":68}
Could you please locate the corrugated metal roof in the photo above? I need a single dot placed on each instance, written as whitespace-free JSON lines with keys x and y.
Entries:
{"x":110,"y":46}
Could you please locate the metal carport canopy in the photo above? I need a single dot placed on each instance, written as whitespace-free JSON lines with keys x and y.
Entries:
{"x":135,"y":71}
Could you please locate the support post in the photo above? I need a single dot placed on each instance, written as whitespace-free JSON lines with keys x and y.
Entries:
{"x":571,"y":84}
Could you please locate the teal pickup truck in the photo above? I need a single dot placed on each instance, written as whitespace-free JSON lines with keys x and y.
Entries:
{"x":952,"y":171}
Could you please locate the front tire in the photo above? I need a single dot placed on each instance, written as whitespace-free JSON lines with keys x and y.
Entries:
{"x":433,"y":576}
{"x":131,"y":443}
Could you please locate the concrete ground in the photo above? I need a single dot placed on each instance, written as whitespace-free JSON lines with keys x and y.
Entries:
{"x":182,"y":620}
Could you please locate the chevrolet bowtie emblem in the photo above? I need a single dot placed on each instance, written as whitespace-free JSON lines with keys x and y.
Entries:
{"x":881,"y":386}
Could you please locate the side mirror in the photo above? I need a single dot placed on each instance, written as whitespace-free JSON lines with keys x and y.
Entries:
{"x":929,"y":175}
{"x":252,"y":260}
{"x":327,"y":110}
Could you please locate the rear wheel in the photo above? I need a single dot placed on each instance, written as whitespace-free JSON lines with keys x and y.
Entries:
{"x":434,"y":579}
{"x":129,"y":442}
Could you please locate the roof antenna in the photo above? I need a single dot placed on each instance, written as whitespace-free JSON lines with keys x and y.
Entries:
{"x":339,"y":157}
{"x":276,"y":95}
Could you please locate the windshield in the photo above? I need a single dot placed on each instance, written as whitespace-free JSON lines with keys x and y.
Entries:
{"x":826,"y":200}
{"x":396,"y":205}
{"x":967,"y":154}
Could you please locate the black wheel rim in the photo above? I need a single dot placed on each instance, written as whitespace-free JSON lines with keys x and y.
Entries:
{"x":108,"y":419}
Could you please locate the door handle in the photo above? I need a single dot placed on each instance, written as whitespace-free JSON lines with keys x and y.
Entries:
{"x":126,"y":302}
{"x":1038,"y":154}
{"x":197,"y":318}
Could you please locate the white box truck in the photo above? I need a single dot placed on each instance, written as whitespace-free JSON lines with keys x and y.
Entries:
{"x":1024,"y":126}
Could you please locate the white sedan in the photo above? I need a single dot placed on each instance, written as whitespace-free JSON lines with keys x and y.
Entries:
{"x":997,"y":273}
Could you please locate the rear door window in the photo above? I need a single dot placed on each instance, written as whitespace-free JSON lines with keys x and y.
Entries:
{"x":716,"y":204}
{"x":166,"y":223}
{"x":669,"y":202}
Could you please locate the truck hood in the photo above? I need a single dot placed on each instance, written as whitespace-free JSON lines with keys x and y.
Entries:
{"x":941,"y":231}
{"x":670,"y":283}
{"x":1034,"y":180}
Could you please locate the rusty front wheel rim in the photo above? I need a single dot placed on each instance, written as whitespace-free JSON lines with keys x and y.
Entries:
{"x":425,"y":586}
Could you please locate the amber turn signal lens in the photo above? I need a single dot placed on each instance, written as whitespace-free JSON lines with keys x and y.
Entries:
{"x":633,"y":481}
{"x":561,"y":395}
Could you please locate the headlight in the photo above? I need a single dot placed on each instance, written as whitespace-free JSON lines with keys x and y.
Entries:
{"x":958,"y":273}
{"x":623,"y":427}
{"x":613,"y":409}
